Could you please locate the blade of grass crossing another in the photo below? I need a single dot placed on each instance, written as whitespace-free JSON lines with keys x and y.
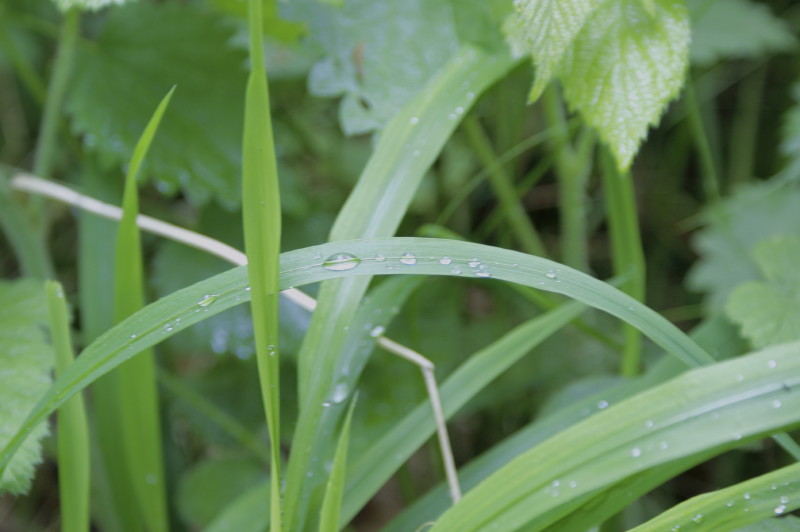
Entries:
{"x":174,"y":313}
{"x":332,"y":503}
{"x":261,"y":211}
{"x":73,"y":431}
{"x":136,"y":388}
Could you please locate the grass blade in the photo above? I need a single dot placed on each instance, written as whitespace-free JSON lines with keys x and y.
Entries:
{"x":408,"y":146}
{"x":332,"y":503}
{"x":73,"y":431}
{"x":261,"y":210}
{"x":135,"y":385}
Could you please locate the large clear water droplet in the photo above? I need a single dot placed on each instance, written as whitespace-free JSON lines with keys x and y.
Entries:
{"x":409,"y":259}
{"x":551,"y":274}
{"x":445,"y":260}
{"x":207,"y":300}
{"x":340,"y":262}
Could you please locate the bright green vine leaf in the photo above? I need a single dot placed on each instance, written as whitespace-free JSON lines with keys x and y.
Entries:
{"x":768,"y":310}
{"x":547,"y":29}
{"x":620,"y":62}
{"x":90,"y":5}
{"x":736,"y":29}
{"x":26,"y":360}
{"x":141,"y":51}
{"x":624,"y":68}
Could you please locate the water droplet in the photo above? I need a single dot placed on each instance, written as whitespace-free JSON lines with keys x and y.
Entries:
{"x":408,"y":258}
{"x":459,"y":110}
{"x":272,"y":350}
{"x":380,"y":257}
{"x":602,"y":404}
{"x":636,"y":452}
{"x":747,"y":496}
{"x":340,"y":392}
{"x":377,"y":331}
{"x":698,"y":518}
{"x":413,"y":120}
{"x":649,"y":424}
{"x":730,"y":504}
{"x":663,"y":446}
{"x":776,"y":403}
{"x":483,"y":274}
{"x":456,"y":270}
{"x":474,"y":262}
{"x":551,"y":274}
{"x":168,"y":327}
{"x":572,"y":484}
{"x":318,"y":255}
{"x":340,"y":262}
{"x":784,"y":500}
{"x":739,"y":378}
{"x":326,"y":404}
{"x":133,"y":335}
{"x":207,"y":300}
{"x":780,"y":509}
{"x":416,"y":153}
{"x":445,"y":260}
{"x":772,"y":364}
{"x":556,"y":483}
{"x":470,"y":96}
{"x":452,"y":116}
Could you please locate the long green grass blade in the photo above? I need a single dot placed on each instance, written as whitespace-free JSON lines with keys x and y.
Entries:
{"x":718,"y":408}
{"x":774,"y":494}
{"x":380,"y":461}
{"x":380,"y":256}
{"x":332,"y":503}
{"x":73,"y":431}
{"x":261,"y":210}
{"x":407,"y":147}
{"x":136,"y":391}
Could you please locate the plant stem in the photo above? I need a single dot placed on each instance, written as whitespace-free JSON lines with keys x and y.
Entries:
{"x":503,"y":187}
{"x":45,"y":146}
{"x":29,"y":249}
{"x":744,"y":134}
{"x":572,"y":167}
{"x":710,"y":175}
{"x":628,"y":257}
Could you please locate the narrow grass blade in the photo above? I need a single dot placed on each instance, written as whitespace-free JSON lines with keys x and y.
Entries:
{"x":261,"y":209}
{"x":408,"y":146}
{"x":378,"y":463}
{"x":720,"y":408}
{"x":136,"y":392}
{"x":332,"y":503}
{"x":73,"y":431}
{"x":182,"y":309}
{"x":774,"y":494}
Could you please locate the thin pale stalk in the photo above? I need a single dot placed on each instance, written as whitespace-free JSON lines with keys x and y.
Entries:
{"x":503,"y":187}
{"x":626,"y":247}
{"x":73,"y":431}
{"x":709,"y":171}
{"x":261,"y":211}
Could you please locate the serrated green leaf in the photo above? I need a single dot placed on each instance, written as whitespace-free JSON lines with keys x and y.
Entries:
{"x":547,"y":29}
{"x":90,"y":5}
{"x":768,"y":311}
{"x":26,"y":361}
{"x":142,"y":50}
{"x":735,"y":228}
{"x":735,"y":29}
{"x":377,"y":53}
{"x":624,"y":67}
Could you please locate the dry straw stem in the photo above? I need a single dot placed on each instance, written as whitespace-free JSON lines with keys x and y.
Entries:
{"x":34,"y":185}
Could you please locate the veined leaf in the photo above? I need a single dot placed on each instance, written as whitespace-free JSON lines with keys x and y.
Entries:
{"x":174,"y":313}
{"x":26,"y":360}
{"x":734,"y":29}
{"x":624,"y":67}
{"x":142,"y":50}
{"x":547,"y":29}
{"x":767,"y":310}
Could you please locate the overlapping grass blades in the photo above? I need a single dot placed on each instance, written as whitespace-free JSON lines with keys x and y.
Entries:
{"x":261,"y":209}
{"x":407,"y":147}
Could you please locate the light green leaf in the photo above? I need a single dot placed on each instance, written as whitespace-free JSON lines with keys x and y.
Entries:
{"x":26,"y":360}
{"x":332,"y":503}
{"x":717,"y":408}
{"x":735,"y":228}
{"x":624,"y":67}
{"x":735,"y":29}
{"x":768,"y":310}
{"x":547,"y":29}
{"x":90,"y":5}
{"x":732,"y":508}
{"x":378,"y":54}
{"x":142,"y":50}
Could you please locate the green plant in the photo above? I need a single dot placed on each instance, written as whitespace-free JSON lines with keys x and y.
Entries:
{"x":558,"y":401}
